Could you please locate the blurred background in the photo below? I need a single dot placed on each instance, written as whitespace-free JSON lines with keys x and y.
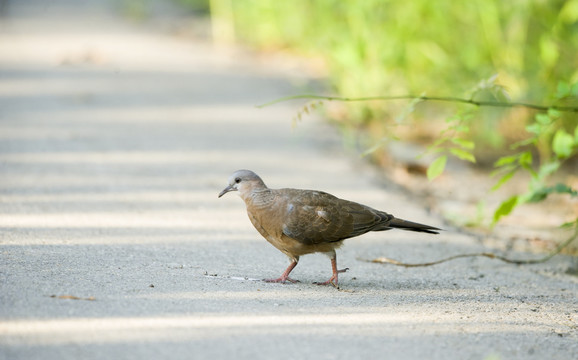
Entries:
{"x":526,"y":48}
{"x":483,"y":163}
{"x":120,"y":121}
{"x":508,"y":170}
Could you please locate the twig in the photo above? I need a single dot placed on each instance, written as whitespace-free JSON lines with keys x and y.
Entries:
{"x":425,"y":98}
{"x":72,"y":297}
{"x":559,"y":248}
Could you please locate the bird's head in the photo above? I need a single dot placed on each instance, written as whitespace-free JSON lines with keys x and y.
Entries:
{"x":245,"y":182}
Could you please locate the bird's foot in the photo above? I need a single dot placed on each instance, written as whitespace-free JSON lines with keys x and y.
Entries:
{"x":282,"y":280}
{"x":333,"y":280}
{"x":285,"y":276}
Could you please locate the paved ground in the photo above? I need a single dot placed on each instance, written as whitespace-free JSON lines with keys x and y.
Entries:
{"x":116,"y":139}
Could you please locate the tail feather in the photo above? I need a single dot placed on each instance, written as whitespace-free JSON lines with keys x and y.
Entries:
{"x":412,"y":226}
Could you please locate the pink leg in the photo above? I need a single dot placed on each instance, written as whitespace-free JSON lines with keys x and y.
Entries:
{"x":285,"y":276}
{"x":334,"y":279}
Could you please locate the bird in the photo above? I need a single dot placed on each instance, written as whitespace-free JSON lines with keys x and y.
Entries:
{"x":300,"y":222}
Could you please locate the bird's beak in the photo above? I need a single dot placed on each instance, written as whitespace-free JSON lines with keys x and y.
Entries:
{"x":227,"y":189}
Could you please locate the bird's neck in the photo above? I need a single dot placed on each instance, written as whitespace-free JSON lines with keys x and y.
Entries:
{"x":259,"y":197}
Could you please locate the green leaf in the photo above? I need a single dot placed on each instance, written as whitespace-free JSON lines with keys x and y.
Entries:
{"x":543,"y":119}
{"x":505,"y":208}
{"x":453,"y":118}
{"x":576,"y":135}
{"x":525,"y":159}
{"x":569,"y":12}
{"x":534,"y":128}
{"x":463,"y":154}
{"x":532,"y":140}
{"x":553,"y":113}
{"x":461,"y":128}
{"x":500,"y":93}
{"x":549,"y":51}
{"x":562,"y":143}
{"x":549,"y":168}
{"x":538,"y":195}
{"x":466,"y":144}
{"x":564,"y":189}
{"x":569,"y":224}
{"x":436,"y":167}
{"x":504,"y":179}
{"x":563,"y":90}
{"x":505,"y":160}
{"x":542,"y":193}
{"x":504,"y":169}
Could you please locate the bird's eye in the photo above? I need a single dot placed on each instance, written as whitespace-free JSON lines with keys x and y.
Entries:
{"x":237,"y":180}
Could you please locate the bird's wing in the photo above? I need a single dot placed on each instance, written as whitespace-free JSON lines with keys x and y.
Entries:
{"x":314,"y":217}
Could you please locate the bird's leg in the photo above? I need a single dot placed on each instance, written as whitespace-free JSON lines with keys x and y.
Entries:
{"x":334,"y":279}
{"x":285,"y":276}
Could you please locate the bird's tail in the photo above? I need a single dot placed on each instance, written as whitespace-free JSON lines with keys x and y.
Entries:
{"x":412,"y":226}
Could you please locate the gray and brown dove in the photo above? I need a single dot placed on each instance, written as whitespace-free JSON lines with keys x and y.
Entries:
{"x":300,"y":222}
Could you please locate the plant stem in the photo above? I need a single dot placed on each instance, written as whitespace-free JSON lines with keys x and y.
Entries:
{"x":424,"y":98}
{"x":559,"y":248}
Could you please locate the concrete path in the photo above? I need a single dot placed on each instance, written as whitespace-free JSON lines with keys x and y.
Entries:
{"x":115,"y":139}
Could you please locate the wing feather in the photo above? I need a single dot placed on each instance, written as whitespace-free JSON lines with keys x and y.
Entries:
{"x":314,"y":217}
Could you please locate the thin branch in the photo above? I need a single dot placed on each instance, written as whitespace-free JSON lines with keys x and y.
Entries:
{"x":425,"y":98}
{"x":384,"y":260}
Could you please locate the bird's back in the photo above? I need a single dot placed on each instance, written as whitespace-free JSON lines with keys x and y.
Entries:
{"x":315,"y":217}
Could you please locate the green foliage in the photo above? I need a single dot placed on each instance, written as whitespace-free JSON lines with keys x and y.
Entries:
{"x":200,"y":6}
{"x":546,"y":129}
{"x":453,"y":139}
{"x":543,"y":193}
{"x":526,"y":49}
{"x":506,"y":207}
{"x":437,"y":167}
{"x":388,"y":47}
{"x":546,"y":132}
{"x":563,"y":144}
{"x":376,"y":46}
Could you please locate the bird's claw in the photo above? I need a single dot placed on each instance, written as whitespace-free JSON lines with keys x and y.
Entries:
{"x":333,"y":279}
